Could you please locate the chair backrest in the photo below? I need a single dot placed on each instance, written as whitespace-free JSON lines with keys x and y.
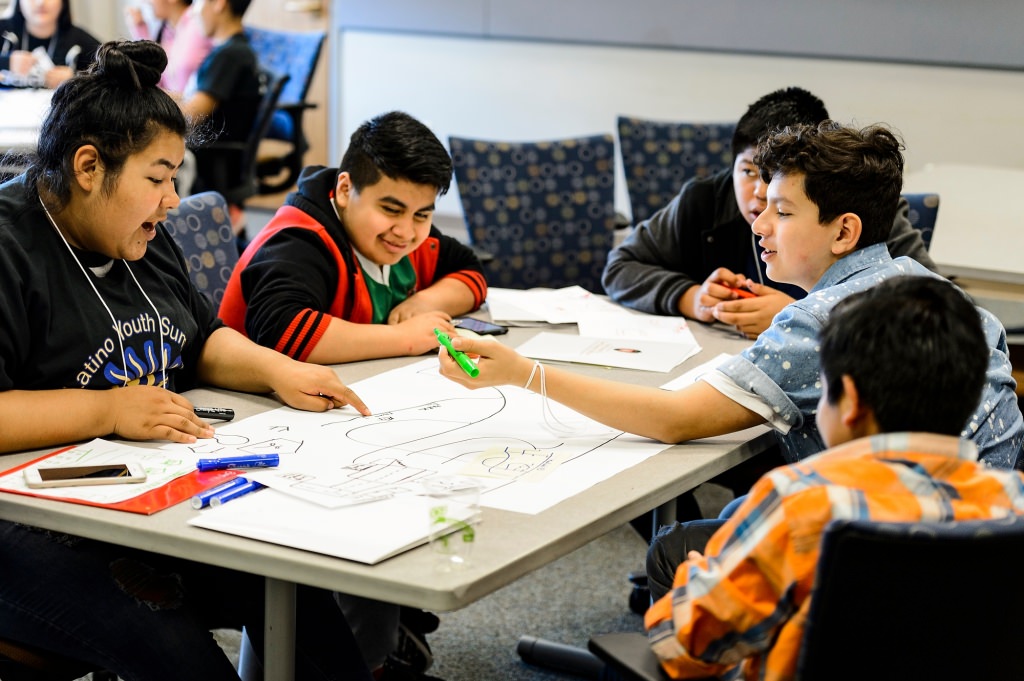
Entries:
{"x":924,"y":209}
{"x":229,"y":166}
{"x":544,"y":210}
{"x":201,"y":226}
{"x":929,"y":601}
{"x":292,"y":53}
{"x":659,"y":157}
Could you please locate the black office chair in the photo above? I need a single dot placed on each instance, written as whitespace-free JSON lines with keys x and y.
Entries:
{"x":229,"y":167}
{"x":20,"y":662}
{"x":897,"y":601}
{"x":294,"y":54}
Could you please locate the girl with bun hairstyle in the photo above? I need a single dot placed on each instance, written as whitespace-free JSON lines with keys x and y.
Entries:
{"x":100,"y":330}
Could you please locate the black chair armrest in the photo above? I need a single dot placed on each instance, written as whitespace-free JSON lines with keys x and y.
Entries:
{"x":295,"y":107}
{"x":629,"y":654}
{"x":222,"y":146}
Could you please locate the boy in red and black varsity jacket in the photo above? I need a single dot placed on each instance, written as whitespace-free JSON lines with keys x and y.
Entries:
{"x":351,"y":268}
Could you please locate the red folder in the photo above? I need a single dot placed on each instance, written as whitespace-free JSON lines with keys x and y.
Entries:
{"x":174,"y":492}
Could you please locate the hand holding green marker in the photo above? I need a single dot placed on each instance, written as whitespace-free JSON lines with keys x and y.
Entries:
{"x":463,"y":360}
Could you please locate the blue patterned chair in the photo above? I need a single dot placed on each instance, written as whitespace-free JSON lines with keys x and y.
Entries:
{"x":894,"y":601}
{"x":924,"y":209}
{"x":659,"y":157}
{"x":545,"y":211}
{"x":294,"y":54}
{"x":201,"y":226}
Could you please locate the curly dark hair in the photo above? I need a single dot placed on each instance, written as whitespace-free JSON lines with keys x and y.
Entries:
{"x":845,"y":170}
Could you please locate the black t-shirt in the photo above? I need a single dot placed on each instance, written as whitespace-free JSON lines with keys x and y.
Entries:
{"x":229,"y":74}
{"x":55,"y":329}
{"x":56,"y":47}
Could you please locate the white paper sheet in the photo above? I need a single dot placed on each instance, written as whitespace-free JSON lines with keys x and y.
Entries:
{"x":423,"y":425}
{"x":627,"y":353}
{"x":550,"y":306}
{"x":636,"y":326}
{"x":368,"y":533}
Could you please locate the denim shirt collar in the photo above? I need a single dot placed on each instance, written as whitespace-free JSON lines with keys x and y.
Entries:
{"x":852,"y":264}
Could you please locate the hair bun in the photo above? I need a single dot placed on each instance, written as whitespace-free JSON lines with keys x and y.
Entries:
{"x":135,"y":64}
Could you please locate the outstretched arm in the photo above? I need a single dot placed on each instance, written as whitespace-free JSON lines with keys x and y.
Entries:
{"x":668,"y":416}
{"x":346,"y":341}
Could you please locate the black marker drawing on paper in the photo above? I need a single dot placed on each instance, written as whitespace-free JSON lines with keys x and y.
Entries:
{"x":427,"y":442}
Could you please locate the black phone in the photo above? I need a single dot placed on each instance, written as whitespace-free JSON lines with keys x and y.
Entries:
{"x":479,"y":326}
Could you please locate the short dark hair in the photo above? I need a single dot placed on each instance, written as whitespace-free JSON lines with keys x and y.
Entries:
{"x":845,"y":170}
{"x":399,"y":146}
{"x":238,"y":7}
{"x":115,"y":106}
{"x":774,"y":111}
{"x":916,"y":350}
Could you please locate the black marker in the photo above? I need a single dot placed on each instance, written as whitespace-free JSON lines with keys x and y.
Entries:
{"x":219,"y":413}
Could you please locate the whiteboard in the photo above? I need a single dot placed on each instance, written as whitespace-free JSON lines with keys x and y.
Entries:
{"x":979,"y":229}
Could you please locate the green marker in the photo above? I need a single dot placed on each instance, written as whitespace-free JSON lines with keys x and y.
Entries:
{"x":464,"y":361}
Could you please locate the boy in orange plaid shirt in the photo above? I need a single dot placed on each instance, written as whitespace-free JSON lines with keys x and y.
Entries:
{"x":903,"y":365}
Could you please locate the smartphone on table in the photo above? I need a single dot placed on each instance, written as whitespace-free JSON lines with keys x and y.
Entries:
{"x":479,"y":326}
{"x":71,"y":476}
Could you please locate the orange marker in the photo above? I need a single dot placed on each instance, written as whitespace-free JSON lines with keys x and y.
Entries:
{"x":742,"y":292}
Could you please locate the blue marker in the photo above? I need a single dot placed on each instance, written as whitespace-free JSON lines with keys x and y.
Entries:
{"x":248,"y":461}
{"x":241,"y":490}
{"x":202,"y":500}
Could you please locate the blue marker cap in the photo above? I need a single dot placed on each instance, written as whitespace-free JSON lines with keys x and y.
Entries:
{"x":241,"y":490}
{"x":247,"y":461}
{"x":202,"y":500}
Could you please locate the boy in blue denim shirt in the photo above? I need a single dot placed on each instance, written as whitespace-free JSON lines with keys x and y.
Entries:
{"x":832,"y":196}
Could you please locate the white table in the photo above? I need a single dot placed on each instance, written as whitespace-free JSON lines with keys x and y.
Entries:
{"x":23,"y":114}
{"x":979,"y":229}
{"x":21,"y":117}
{"x":513,"y":545}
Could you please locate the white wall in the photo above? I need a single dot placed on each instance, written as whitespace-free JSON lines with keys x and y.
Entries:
{"x":103,"y":18}
{"x":521,"y":90}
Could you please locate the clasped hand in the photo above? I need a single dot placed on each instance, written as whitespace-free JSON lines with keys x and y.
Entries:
{"x":715,"y":300}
